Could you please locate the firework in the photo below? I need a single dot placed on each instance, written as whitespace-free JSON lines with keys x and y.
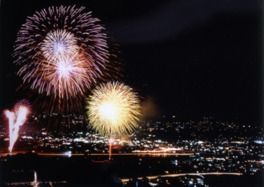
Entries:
{"x":113,"y":109}
{"x":61,"y":51}
{"x":16,"y":118}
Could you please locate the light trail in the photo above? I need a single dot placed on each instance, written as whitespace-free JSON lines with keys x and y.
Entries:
{"x":102,"y":154}
{"x":125,"y":180}
{"x":117,"y":154}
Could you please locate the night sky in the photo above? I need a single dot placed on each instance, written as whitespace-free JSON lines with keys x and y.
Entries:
{"x":186,"y":58}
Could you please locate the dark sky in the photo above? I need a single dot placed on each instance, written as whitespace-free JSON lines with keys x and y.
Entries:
{"x":186,"y":58}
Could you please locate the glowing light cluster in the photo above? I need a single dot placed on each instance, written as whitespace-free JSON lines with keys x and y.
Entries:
{"x":59,"y":43}
{"x":61,"y":51}
{"x":16,"y":118}
{"x":113,"y":109}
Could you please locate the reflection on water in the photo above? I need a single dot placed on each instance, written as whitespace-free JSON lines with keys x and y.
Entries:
{"x":36,"y":182}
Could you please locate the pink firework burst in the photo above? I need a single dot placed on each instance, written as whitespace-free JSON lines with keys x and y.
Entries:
{"x":61,"y":51}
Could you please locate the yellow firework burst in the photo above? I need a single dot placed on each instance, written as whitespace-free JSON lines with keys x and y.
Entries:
{"x":113,"y":109}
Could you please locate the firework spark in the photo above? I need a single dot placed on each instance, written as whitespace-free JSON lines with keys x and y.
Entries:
{"x":16,"y":118}
{"x":113,"y":109}
{"x":61,"y":51}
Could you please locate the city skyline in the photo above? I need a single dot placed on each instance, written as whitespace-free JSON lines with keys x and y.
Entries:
{"x":193,"y":63}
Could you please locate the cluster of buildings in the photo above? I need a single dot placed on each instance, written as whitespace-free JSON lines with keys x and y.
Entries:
{"x":211,"y":146}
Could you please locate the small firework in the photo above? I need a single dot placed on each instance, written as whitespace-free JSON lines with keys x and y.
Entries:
{"x":61,"y":51}
{"x":113,"y":109}
{"x":16,"y":118}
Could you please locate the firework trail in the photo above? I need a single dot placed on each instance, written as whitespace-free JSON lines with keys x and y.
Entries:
{"x":61,"y":51}
{"x":16,"y":118}
{"x":113,"y":109}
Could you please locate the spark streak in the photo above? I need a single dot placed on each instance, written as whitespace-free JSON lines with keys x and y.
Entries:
{"x":16,"y":118}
